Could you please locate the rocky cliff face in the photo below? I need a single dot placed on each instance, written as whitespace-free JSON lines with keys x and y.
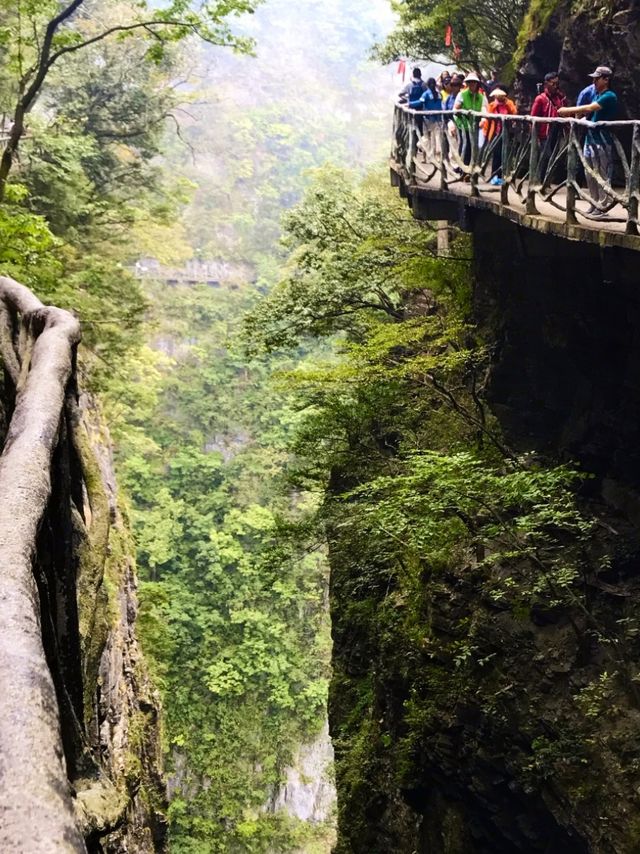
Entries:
{"x":461,"y":725}
{"x":574,"y":37}
{"x":120,"y":791}
{"x":308,"y":792}
{"x":527,"y":738}
{"x":79,"y":735}
{"x":87,"y":583}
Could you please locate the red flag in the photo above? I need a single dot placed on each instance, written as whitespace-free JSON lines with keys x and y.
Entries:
{"x":402,"y":68}
{"x":448,"y":35}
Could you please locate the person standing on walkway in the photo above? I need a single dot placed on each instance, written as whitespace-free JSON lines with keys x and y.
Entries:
{"x":501,"y":105}
{"x":430,"y":100}
{"x":546,"y":105}
{"x":443,"y":83}
{"x":414,"y":88}
{"x":473,"y":99}
{"x":455,"y":85}
{"x":598,"y":145}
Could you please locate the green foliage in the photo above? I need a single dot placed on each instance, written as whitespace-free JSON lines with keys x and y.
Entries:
{"x":233,"y":612}
{"x":441,"y":508}
{"x":448,"y":549}
{"x":485,"y":38}
{"x":27,"y":248}
{"x":97,"y":121}
{"x":356,"y":255}
{"x":233,"y":596}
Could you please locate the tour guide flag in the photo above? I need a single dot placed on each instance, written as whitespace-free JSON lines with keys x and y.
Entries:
{"x":402,"y":67}
{"x":448,"y":35}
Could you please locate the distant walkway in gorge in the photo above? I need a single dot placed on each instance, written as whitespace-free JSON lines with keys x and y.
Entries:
{"x":531,"y":174}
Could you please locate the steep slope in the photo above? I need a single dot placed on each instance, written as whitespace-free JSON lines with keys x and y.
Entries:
{"x":474,"y":440}
{"x":484,"y":701}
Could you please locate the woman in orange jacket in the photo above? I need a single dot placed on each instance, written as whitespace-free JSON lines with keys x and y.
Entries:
{"x":501,"y":105}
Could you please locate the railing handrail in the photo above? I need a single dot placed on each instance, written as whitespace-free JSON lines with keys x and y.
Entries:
{"x":529,"y":157}
{"x":518,"y":117}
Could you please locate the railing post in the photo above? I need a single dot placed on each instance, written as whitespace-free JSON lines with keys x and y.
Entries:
{"x":444,"y":152}
{"x":572,"y":175}
{"x":534,"y":176}
{"x":634,"y":183}
{"x":412,"y":151}
{"x":504,"y":189}
{"x":396,"y":127}
{"x":474,"y":128}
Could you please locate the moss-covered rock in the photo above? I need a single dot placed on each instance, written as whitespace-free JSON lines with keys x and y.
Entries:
{"x":575,"y":36}
{"x":467,"y":719}
{"x":124,"y":804}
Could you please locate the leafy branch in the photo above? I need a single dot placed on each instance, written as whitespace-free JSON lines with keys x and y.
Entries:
{"x":166,"y":27}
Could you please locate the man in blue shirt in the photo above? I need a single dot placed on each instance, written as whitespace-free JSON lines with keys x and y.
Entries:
{"x":598,"y":146}
{"x":429,"y":101}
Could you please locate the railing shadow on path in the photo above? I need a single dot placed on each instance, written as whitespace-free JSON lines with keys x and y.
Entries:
{"x":541,"y":167}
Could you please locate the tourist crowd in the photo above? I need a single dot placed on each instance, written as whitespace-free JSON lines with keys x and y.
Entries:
{"x":468,"y":92}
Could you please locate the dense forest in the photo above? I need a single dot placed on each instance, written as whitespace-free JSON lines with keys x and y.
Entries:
{"x":174,"y":149}
{"x":234,"y":598}
{"x":332,"y":519}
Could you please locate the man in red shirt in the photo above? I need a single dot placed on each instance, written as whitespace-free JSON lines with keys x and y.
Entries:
{"x":546,"y":105}
{"x":548,"y":102}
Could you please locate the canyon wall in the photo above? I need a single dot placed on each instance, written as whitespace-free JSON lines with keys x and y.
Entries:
{"x":462,"y":724}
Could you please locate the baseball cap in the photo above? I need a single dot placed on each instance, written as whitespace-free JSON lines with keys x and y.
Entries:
{"x":602,"y":71}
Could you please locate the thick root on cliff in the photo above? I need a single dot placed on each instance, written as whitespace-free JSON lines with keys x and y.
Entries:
{"x":35,"y":799}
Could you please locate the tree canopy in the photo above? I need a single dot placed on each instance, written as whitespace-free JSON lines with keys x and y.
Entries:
{"x":483,"y":36}
{"x":94,"y":86}
{"x":38,"y":36}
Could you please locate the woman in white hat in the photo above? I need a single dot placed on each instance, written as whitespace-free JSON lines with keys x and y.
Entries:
{"x":501,"y":105}
{"x":470,"y":98}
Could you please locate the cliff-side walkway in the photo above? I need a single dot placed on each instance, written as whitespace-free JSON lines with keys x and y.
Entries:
{"x":449,"y":163}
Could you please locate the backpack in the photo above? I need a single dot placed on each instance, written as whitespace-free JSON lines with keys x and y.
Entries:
{"x":415,"y":93}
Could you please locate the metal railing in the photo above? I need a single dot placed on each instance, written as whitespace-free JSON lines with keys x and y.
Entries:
{"x":531,"y":161}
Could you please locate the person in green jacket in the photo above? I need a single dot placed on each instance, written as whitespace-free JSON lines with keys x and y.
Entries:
{"x":470,"y":98}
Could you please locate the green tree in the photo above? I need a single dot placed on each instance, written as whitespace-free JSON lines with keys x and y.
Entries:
{"x":356,"y":258}
{"x":233,"y":614}
{"x":38,"y":36}
{"x":484,"y":36}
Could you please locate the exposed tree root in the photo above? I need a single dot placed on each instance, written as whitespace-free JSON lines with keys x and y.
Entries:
{"x":37,"y":345}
